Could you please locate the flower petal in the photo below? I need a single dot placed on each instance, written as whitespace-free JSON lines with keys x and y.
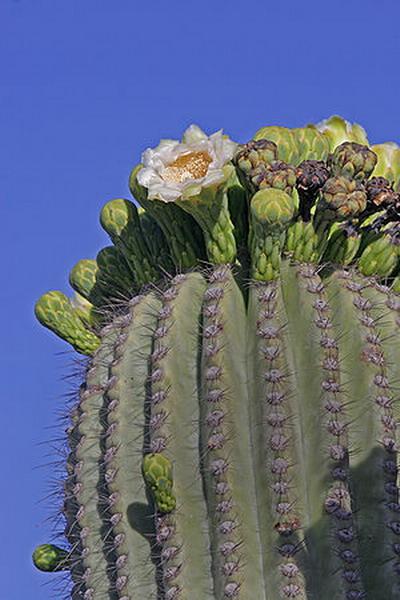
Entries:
{"x":194,"y":134}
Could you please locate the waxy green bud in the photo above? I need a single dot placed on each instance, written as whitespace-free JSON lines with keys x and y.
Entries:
{"x":157,"y":473}
{"x":388,"y":164}
{"x":271,"y":211}
{"x":380,"y":257}
{"x":352,"y":160}
{"x":311,"y":143}
{"x":156,"y":241}
{"x":85,"y":310}
{"x":210,"y":208}
{"x":114,"y":274}
{"x":120,"y":220}
{"x":285,"y":141}
{"x":338,"y":130}
{"x":50,"y":558}
{"x":83,"y":279}
{"x":54,"y":311}
{"x":343,"y":244}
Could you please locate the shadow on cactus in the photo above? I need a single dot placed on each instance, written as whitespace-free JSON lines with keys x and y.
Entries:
{"x":236,"y":432}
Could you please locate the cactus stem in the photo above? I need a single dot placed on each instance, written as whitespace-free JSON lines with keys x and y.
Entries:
{"x":337,"y":503}
{"x":127,"y":508}
{"x":374,"y":473}
{"x":83,"y":515}
{"x":234,"y":534}
{"x":274,"y":444}
{"x":182,"y":533}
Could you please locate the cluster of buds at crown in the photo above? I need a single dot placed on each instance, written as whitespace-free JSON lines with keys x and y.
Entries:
{"x":259,"y":168}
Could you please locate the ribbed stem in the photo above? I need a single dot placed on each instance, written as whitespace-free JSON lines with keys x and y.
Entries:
{"x":129,"y":512}
{"x":279,"y":481}
{"x":320,"y":408}
{"x":174,"y":432}
{"x":229,"y":480}
{"x":373,"y":472}
{"x":95,"y":582}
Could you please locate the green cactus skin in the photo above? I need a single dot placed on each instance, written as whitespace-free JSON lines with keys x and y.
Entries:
{"x":313,"y":468}
{"x":236,"y":435}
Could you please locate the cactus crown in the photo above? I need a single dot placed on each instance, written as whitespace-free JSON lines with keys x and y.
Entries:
{"x":235,"y":435}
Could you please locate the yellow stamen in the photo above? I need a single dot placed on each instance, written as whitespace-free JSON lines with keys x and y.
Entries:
{"x":192,"y":165}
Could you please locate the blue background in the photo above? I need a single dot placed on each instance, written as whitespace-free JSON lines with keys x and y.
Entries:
{"x":85,"y":86}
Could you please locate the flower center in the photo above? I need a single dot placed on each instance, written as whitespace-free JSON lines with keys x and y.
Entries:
{"x":192,"y":165}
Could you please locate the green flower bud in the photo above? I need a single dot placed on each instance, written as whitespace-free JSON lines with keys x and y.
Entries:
{"x":114,"y":275}
{"x":271,"y":211}
{"x":157,"y":473}
{"x":54,"y":311}
{"x":352,"y":160}
{"x":337,"y":131}
{"x":388,"y":164}
{"x":343,"y":244}
{"x":380,"y":257}
{"x":120,"y":220}
{"x":285,"y":140}
{"x":395,"y":287}
{"x":311,"y":143}
{"x":183,"y":234}
{"x":85,"y":311}
{"x":83,"y":279}
{"x":156,"y":241}
{"x":50,"y":558}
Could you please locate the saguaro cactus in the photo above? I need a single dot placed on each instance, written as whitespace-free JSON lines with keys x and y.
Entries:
{"x":236,"y":432}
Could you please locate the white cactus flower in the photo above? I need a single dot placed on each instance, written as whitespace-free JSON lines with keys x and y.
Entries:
{"x":176,"y":169}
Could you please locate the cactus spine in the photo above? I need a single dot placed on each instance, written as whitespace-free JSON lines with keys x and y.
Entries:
{"x":236,"y":434}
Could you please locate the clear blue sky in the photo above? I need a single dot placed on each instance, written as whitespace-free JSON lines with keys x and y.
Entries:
{"x":85,"y":86}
